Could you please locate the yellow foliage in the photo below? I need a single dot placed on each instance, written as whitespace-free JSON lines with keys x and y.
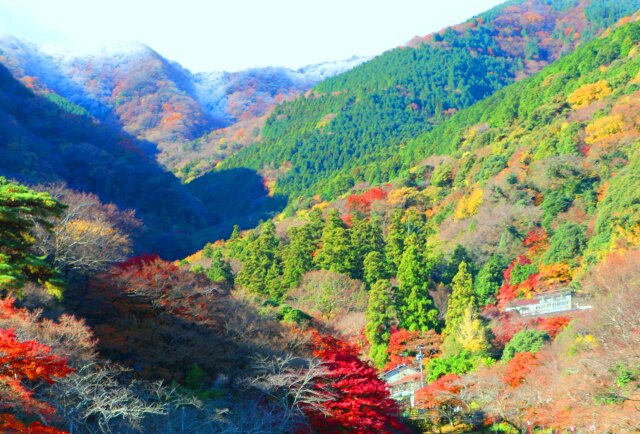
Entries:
{"x":54,"y":290}
{"x":556,"y":273}
{"x":321,"y":206}
{"x":589,"y":93}
{"x":400,"y":195}
{"x":471,"y":334}
{"x":79,"y":229}
{"x":468,"y":205}
{"x":604,"y":127}
{"x":582,"y":343}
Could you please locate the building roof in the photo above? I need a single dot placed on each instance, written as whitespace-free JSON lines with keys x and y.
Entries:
{"x":407,"y":379}
{"x":397,"y":370}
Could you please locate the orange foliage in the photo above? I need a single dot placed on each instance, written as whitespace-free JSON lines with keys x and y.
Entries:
{"x":518,"y":368}
{"x":555,"y":273}
{"x":441,"y":392}
{"x":536,"y":241}
{"x":553,"y":325}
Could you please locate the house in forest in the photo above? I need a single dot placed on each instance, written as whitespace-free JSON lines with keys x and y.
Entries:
{"x":547,"y":303}
{"x":403,"y":381}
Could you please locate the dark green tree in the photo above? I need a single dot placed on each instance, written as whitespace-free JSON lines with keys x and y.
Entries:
{"x":567,"y":243}
{"x":374,"y":268}
{"x":219,"y":271}
{"x":298,"y":255}
{"x":20,"y":209}
{"x":335,"y":253}
{"x":394,"y":246}
{"x":258,"y":261}
{"x":417,"y":309}
{"x":379,"y":321}
{"x":490,"y":279}
{"x":366,"y":237}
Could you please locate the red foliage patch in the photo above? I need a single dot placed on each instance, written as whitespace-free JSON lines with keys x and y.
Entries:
{"x":440,"y":392}
{"x":359,"y":399}
{"x":363,"y":201}
{"x":519,"y":367}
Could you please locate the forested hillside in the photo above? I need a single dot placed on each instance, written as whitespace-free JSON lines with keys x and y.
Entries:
{"x":52,"y":141}
{"x":476,"y":228}
{"x":317,"y":144}
{"x":528,"y":194}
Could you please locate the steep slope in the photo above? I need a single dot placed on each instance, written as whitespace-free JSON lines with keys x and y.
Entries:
{"x":157,"y":100}
{"x":510,"y":253}
{"x":317,"y":144}
{"x":43,"y":140}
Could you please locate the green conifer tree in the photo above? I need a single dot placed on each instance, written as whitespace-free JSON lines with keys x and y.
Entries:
{"x":335,"y":246}
{"x":379,"y":321}
{"x":394,"y":246}
{"x":462,"y":296}
{"x":258,"y":260}
{"x":417,"y":309}
{"x":20,"y":209}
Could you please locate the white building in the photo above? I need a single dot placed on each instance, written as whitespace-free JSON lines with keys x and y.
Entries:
{"x":546,"y":303}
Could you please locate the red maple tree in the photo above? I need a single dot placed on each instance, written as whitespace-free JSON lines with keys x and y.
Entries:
{"x":359,"y":400}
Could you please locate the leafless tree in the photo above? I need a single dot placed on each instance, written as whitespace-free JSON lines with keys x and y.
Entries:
{"x":89,"y":236}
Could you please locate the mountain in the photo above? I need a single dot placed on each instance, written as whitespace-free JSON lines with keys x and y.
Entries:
{"x":318,"y":144}
{"x":157,"y":100}
{"x":510,"y":252}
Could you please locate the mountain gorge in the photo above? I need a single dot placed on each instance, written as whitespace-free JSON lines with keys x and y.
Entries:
{"x":156,"y":100}
{"x":444,"y":238}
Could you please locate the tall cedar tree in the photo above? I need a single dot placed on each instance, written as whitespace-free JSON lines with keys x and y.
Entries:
{"x":394,"y":247}
{"x":20,"y":209}
{"x":359,"y":401}
{"x":335,"y":246}
{"x":379,"y":321}
{"x":489,"y":280}
{"x":374,"y":268}
{"x":462,"y":297}
{"x":259,"y":261}
{"x":417,"y":309}
{"x":298,"y":256}
{"x":366,"y":237}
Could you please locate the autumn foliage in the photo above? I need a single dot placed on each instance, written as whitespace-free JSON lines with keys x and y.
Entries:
{"x":23,"y":365}
{"x":519,"y":367}
{"x":363,"y":201}
{"x":359,"y":400}
{"x":443,"y":391}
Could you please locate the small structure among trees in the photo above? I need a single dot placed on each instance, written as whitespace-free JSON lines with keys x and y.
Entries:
{"x":547,"y":303}
{"x":403,"y":381}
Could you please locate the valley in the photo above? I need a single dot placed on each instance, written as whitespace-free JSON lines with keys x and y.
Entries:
{"x":441,"y":238}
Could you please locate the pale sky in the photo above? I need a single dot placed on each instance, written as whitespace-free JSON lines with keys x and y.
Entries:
{"x":232,"y":35}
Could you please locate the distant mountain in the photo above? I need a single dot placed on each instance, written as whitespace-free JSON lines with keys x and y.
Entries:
{"x":155,"y":99}
{"x":320,"y":143}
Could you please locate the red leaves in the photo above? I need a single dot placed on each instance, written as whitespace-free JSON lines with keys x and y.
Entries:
{"x":10,"y":425}
{"x":553,"y":326}
{"x":440,"y":392}
{"x":536,"y":241}
{"x":359,"y":399}
{"x":28,"y":360}
{"x":519,"y":367}
{"x":362,"y":202}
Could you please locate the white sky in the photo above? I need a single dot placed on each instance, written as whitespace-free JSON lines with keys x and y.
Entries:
{"x":231,"y":35}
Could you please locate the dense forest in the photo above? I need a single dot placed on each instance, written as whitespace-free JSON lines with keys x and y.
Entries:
{"x":485,"y":241}
{"x":318,"y":144}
